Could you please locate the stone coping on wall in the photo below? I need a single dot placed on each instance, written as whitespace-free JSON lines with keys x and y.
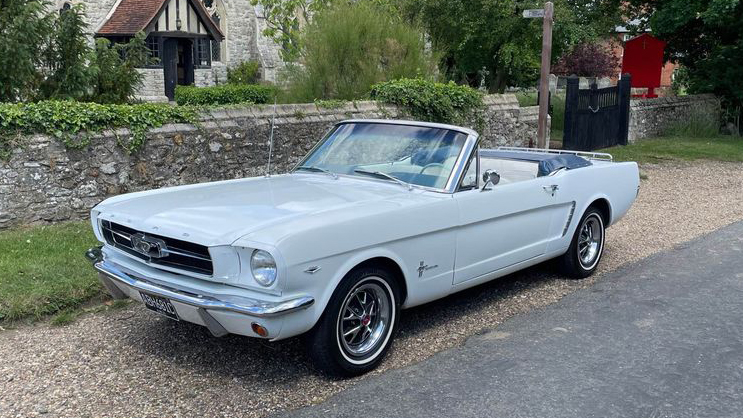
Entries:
{"x":227,"y":116}
{"x":672,"y":101}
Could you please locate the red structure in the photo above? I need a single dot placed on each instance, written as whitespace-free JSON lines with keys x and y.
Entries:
{"x":643,"y":58}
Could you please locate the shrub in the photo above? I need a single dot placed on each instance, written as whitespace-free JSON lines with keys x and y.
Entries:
{"x":588,"y":60}
{"x":247,"y":72}
{"x":224,"y":94}
{"x":352,"y":45}
{"x":69,"y":76}
{"x":431,"y":101}
{"x":25,"y":28}
{"x":115,"y":66}
{"x":74,"y":122}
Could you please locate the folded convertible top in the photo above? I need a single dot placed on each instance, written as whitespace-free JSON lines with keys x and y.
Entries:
{"x":548,"y":163}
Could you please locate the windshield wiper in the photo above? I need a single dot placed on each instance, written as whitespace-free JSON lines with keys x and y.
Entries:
{"x":318,"y":169}
{"x":380,"y":174}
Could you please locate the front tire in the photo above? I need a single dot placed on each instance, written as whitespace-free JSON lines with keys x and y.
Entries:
{"x":587,"y":246}
{"x":356,"y":330}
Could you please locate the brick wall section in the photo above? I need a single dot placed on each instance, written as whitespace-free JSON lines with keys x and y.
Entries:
{"x":654,"y":117}
{"x":45,"y":182}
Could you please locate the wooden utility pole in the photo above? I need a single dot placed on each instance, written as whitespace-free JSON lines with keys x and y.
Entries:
{"x":544,"y":82}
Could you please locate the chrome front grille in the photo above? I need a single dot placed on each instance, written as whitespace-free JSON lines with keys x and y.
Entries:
{"x":159,"y":250}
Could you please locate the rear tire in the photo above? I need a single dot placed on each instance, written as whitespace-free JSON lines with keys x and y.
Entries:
{"x":355,"y":332}
{"x":587,"y":246}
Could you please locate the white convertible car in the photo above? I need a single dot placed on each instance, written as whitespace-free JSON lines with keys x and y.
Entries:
{"x":381,"y":215}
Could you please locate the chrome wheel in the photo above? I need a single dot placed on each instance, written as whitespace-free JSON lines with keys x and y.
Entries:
{"x":590,"y":241}
{"x":365,"y":318}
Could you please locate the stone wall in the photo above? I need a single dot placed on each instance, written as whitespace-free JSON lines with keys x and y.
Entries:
{"x":654,"y":117}
{"x":153,"y":85}
{"x":45,"y":182}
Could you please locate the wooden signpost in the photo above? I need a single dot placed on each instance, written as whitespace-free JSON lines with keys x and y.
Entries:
{"x":546,"y":14}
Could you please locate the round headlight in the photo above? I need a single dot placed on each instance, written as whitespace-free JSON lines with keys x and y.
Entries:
{"x":263,"y":267}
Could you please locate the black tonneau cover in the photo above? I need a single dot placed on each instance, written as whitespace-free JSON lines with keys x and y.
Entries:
{"x":548,"y":163}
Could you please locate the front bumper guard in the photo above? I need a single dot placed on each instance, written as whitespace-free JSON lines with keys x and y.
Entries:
{"x":109,"y":274}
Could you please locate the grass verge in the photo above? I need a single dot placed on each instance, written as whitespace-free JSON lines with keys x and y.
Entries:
{"x":720,"y":148}
{"x":43,"y":271}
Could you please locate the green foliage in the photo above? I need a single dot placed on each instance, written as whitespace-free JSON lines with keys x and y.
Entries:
{"x":115,"y":67}
{"x":705,"y":37}
{"x":284,"y":19}
{"x":46,"y":55}
{"x":557,"y":116}
{"x":351,"y":46}
{"x":74,"y":122}
{"x":25,"y":28}
{"x":430,"y":101}
{"x":224,"y":94}
{"x":247,"y":72}
{"x":69,"y":76}
{"x":488,"y":43}
{"x":680,"y":83}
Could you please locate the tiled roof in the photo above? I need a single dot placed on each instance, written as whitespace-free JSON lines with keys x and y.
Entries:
{"x":131,"y":16}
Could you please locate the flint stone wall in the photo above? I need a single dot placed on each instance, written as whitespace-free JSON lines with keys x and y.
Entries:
{"x":45,"y":182}
{"x":654,"y":117}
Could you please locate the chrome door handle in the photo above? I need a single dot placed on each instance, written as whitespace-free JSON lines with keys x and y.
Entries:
{"x":551,"y":189}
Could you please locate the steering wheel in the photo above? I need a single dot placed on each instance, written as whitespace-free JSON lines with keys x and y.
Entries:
{"x":427,"y":166}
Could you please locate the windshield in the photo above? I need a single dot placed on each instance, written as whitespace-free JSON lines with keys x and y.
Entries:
{"x":417,"y":155}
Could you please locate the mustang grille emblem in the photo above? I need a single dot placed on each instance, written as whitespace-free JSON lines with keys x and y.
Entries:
{"x":151,"y":247}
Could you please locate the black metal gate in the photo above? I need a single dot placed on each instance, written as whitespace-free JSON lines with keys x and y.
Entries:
{"x":596,"y":118}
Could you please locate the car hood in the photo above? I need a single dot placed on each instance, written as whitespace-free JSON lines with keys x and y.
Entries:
{"x":221,"y":212}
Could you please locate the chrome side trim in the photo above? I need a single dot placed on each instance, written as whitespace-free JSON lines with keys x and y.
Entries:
{"x":239,"y":304}
{"x":570,"y":219}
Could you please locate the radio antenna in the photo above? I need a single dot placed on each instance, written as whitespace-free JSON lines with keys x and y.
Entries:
{"x":270,"y":139}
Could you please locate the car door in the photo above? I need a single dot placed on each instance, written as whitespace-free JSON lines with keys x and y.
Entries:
{"x":506,"y":225}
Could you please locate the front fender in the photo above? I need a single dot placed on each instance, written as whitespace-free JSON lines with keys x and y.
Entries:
{"x":322,"y":284}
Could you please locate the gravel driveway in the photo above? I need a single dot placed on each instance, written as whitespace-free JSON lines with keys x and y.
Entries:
{"x":133,"y":363}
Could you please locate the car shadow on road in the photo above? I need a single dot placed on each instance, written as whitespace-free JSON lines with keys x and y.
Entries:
{"x":285,"y":362}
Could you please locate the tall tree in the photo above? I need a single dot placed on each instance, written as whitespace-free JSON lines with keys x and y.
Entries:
{"x":69,"y":75}
{"x":25,"y":30}
{"x":489,"y":40}
{"x":704,"y":36}
{"x":284,"y":19}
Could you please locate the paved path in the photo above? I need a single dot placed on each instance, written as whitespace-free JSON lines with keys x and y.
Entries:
{"x":659,"y":338}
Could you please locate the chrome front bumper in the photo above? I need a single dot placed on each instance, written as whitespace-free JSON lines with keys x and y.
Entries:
{"x":112,"y":275}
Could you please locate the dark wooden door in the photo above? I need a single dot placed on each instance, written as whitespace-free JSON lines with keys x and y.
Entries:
{"x":596,"y":118}
{"x":178,"y":65}
{"x":170,"y":65}
{"x":185,"y":62}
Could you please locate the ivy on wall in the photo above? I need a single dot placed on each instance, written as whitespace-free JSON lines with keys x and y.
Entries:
{"x":75,"y":122}
{"x":430,"y":101}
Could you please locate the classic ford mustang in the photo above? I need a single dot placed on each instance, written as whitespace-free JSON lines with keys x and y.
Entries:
{"x":381,"y":215}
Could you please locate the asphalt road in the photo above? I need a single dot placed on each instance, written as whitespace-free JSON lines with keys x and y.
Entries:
{"x":658,"y":338}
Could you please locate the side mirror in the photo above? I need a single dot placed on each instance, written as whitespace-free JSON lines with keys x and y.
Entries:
{"x":489,"y":177}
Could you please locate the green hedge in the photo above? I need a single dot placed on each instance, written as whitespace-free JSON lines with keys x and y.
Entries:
{"x":430,"y":101}
{"x":224,"y":94}
{"x":74,"y":122}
